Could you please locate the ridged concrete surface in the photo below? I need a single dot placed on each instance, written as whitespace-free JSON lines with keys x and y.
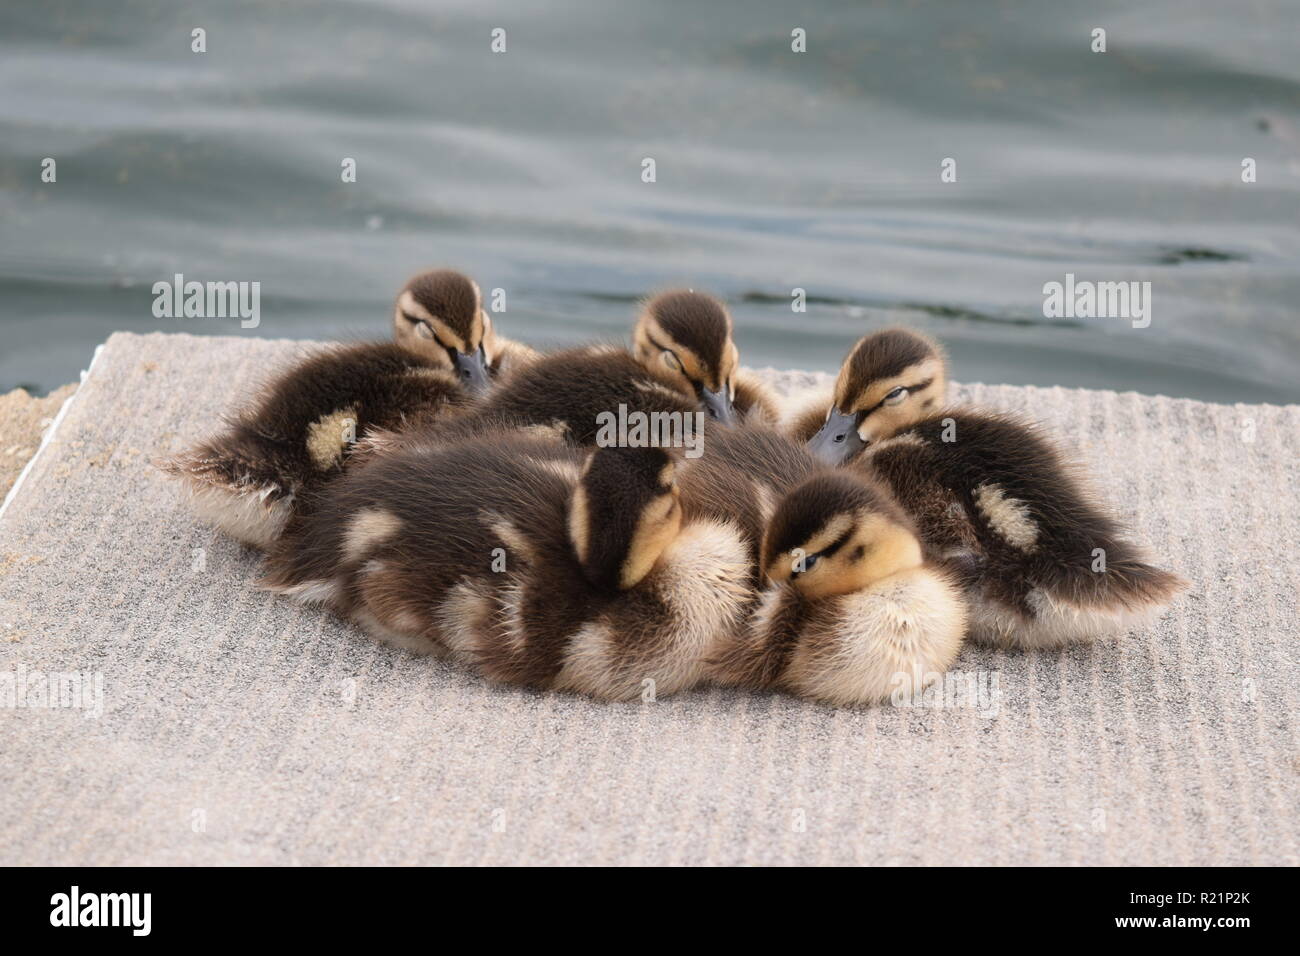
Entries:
{"x":239,"y":728}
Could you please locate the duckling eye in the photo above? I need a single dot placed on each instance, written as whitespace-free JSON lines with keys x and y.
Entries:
{"x":422,"y":330}
{"x":803,"y":563}
{"x":896,"y":396}
{"x":671,"y":360}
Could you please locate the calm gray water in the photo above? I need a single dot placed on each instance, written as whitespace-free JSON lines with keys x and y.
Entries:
{"x":774,"y":170}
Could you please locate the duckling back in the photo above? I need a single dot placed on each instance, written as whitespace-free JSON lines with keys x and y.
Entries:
{"x":577,"y":389}
{"x":739,"y":477}
{"x":298,"y":433}
{"x":465,"y":548}
{"x":1043,"y":562}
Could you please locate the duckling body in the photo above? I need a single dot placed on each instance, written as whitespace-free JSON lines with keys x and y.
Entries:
{"x":754,"y":401}
{"x":1041,"y":561}
{"x":305,"y":426}
{"x":531,"y":560}
{"x":740,"y":476}
{"x":1043,"y":565}
{"x":576,"y":391}
{"x":299,"y":433}
{"x":853,"y":613}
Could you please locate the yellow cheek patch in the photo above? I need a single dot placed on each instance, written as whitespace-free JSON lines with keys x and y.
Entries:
{"x":878,"y":549}
{"x":931,"y":370}
{"x":730,"y":361}
{"x":890,"y":548}
{"x":649,"y":332}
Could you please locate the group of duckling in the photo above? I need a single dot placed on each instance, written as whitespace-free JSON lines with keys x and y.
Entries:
{"x":446,"y":492}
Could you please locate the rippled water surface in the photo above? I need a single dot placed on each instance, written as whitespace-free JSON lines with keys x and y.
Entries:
{"x":775,"y":170}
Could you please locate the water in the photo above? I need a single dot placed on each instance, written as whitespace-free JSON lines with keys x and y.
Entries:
{"x":774,"y":170}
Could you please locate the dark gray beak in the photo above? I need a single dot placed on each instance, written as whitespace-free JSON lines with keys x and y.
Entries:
{"x":718,"y":405}
{"x":472,"y":369}
{"x":838,"y":441}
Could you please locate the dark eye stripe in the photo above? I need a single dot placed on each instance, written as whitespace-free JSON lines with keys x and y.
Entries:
{"x":835,"y":545}
{"x":681,"y":365}
{"x":911,"y":388}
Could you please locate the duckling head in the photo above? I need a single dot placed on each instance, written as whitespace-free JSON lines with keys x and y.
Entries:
{"x":836,"y":533}
{"x":890,"y":380}
{"x":687,"y":335}
{"x":440,"y":314}
{"x":623,"y":514}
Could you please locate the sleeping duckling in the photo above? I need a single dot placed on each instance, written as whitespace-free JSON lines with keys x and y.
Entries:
{"x":535,"y":562}
{"x":439,"y":314}
{"x":299,"y":432}
{"x":308,"y":421}
{"x":689,"y":335}
{"x":1042,"y":563}
{"x":854,"y":613}
{"x":683,"y":362}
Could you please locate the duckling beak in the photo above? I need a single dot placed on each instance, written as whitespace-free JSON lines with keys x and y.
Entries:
{"x":472,"y":368}
{"x":838,"y":441}
{"x":718,"y":405}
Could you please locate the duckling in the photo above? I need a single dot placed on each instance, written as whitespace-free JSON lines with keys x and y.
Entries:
{"x":683,"y":362}
{"x":889,"y":378}
{"x":299,"y":432}
{"x":1042,"y":563}
{"x":689,"y":334}
{"x":308,"y":422}
{"x":854,"y":612}
{"x":439,"y":314}
{"x":535,"y":562}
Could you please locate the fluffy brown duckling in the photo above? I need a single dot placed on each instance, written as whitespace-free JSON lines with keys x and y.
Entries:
{"x":533,"y":561}
{"x":853,"y":612}
{"x":302,"y":428}
{"x":1042,"y":561}
{"x":688,"y":335}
